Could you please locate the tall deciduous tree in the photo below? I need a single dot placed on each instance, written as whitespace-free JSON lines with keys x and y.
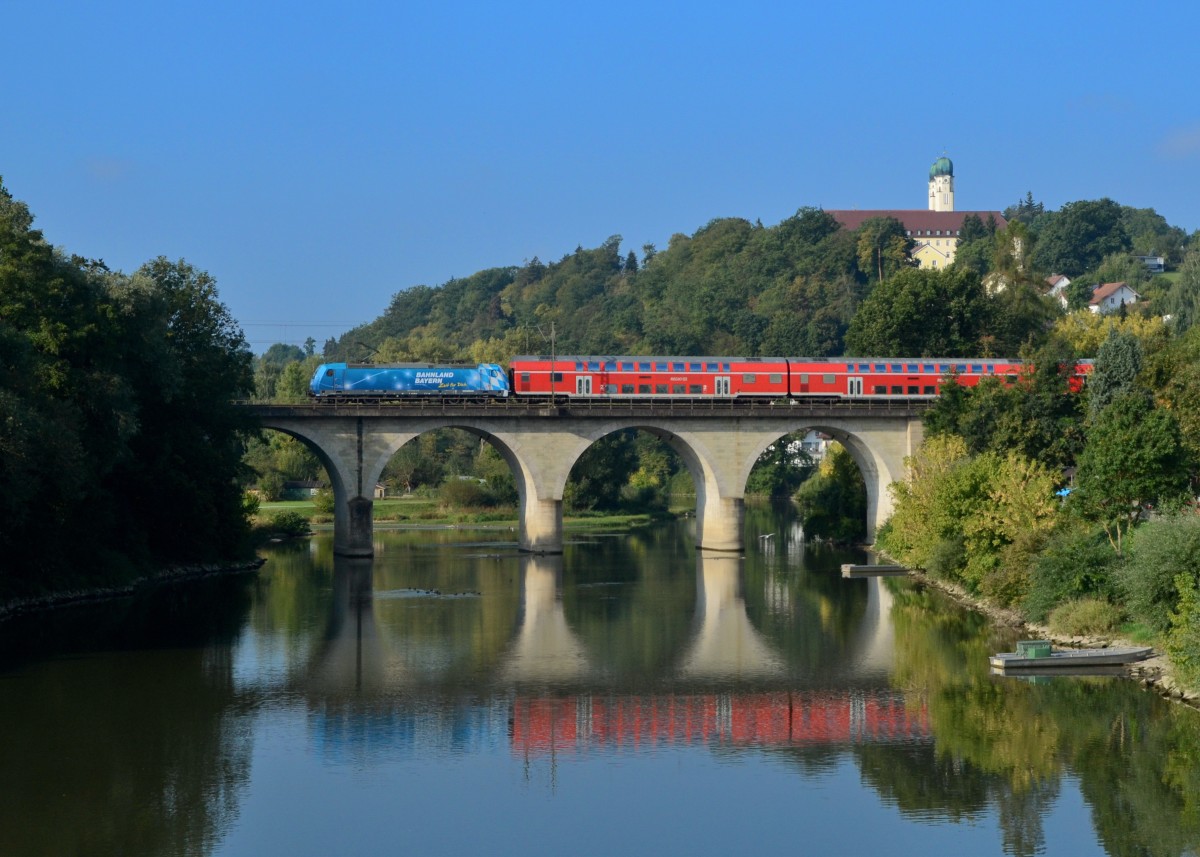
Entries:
{"x":922,"y":313}
{"x":1133,"y":460}
{"x":883,"y":247}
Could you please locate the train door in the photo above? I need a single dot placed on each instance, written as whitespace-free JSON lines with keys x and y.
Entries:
{"x":722,"y":385}
{"x":855,"y":387}
{"x":583,"y":385}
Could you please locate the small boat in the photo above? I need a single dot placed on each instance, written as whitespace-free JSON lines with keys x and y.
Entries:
{"x":1037,"y":654}
{"x":851,"y":570}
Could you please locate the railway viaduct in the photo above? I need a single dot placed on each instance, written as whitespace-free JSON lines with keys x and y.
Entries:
{"x":719,"y":441}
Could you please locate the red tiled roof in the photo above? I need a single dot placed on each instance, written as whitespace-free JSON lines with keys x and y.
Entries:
{"x":916,"y":219}
{"x":1103,"y":291}
{"x":1055,"y":279}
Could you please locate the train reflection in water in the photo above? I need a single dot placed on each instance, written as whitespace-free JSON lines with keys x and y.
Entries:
{"x":756,"y":719}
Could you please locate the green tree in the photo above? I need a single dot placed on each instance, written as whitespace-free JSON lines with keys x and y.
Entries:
{"x":883,"y":247}
{"x":922,"y":313}
{"x":1115,"y":373}
{"x":1133,"y":461}
{"x":1078,"y":237}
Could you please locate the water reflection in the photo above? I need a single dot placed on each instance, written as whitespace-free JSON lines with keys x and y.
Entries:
{"x":451,"y":671}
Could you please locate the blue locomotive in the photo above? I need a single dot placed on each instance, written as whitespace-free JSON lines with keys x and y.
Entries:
{"x":342,"y":380}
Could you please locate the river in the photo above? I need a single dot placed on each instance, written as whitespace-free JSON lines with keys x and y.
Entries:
{"x":633,"y":696}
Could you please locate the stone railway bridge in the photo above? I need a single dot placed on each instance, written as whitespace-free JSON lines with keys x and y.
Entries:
{"x":719,"y":441}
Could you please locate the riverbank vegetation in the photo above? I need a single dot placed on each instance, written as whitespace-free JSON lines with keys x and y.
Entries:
{"x":120,"y":450}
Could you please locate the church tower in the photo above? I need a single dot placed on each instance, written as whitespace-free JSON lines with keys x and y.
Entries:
{"x":941,"y":185}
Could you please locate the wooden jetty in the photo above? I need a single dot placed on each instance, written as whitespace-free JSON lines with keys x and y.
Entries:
{"x":851,"y":570}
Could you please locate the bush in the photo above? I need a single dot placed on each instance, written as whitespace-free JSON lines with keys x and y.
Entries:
{"x":290,"y":524}
{"x":1158,"y":551}
{"x":1090,"y":616}
{"x":947,"y":558}
{"x":464,"y":494}
{"x":1183,"y":642}
{"x":1076,"y":563}
{"x":323,"y":501}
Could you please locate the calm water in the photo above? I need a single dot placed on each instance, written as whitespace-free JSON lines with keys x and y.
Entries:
{"x":629,"y":697}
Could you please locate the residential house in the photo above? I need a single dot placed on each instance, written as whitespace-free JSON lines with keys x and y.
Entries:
{"x":1110,"y":297}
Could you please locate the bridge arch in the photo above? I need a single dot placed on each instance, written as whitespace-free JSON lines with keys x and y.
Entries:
{"x":718,"y":448}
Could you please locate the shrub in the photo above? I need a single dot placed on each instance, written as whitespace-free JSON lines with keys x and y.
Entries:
{"x":323,"y":501}
{"x":1183,"y":641}
{"x":1075,"y":564}
{"x":947,"y":557}
{"x":1085,"y":616}
{"x":290,"y":524}
{"x":1158,"y":551}
{"x":464,"y":494}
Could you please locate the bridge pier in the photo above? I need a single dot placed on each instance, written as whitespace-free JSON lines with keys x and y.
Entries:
{"x":353,"y":527}
{"x":541,"y":526}
{"x":719,"y":523}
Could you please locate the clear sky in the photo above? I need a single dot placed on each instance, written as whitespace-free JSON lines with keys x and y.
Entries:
{"x":318,"y":158}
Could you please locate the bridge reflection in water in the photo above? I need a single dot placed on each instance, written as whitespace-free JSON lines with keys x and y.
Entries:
{"x":367,"y":684}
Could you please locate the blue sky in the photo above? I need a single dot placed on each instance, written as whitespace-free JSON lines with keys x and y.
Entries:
{"x":318,"y":158}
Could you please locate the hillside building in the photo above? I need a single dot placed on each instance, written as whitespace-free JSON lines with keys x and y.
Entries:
{"x":936,"y":230}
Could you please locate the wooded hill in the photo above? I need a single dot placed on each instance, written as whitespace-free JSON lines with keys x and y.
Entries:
{"x":735,"y":287}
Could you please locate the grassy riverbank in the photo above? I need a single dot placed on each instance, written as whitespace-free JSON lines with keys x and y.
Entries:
{"x":427,"y":511}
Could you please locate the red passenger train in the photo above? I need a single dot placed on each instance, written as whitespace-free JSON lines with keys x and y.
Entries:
{"x":595,"y":377}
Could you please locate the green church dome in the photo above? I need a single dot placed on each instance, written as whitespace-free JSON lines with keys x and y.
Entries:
{"x":941,"y":167}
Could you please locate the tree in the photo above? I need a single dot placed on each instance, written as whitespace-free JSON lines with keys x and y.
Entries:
{"x":1026,"y":211}
{"x":1078,"y":237}
{"x":1116,"y":371}
{"x":922,"y":313}
{"x":883,"y":247}
{"x":1133,"y":461}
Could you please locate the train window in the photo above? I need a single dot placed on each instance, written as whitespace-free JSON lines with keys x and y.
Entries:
{"x":880,"y":367}
{"x":929,"y":391}
{"x":724,"y":367}
{"x":896,"y":367}
{"x":826,"y":379}
{"x":912,"y":367}
{"x":328,"y":373}
{"x":695,"y":388}
{"x":864,"y":367}
{"x":943,"y":368}
{"x":678,"y":388}
{"x":849,"y":367}
{"x":594,"y":365}
{"x":880,"y":390}
{"x":803,"y":379}
{"x":609,"y":389}
{"x":610,"y":365}
{"x":990,"y":369}
{"x":775,"y":378}
{"x":556,"y":376}
{"x":660,"y":388}
{"x":694,"y":367}
{"x":977,"y":368}
{"x":960,"y":368}
{"x":748,"y":379}
{"x":676,"y":367}
{"x":912,"y":391}
{"x":643,"y":367}
{"x":897,"y":390}
{"x":626,"y":367}
{"x":580,"y":366}
{"x":710,"y":367}
{"x":626,"y":388}
{"x":524,"y":377}
{"x":660,"y":367}
{"x":643,"y":388}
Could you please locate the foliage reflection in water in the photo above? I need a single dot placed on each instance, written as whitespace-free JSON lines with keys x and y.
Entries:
{"x":453,"y":696}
